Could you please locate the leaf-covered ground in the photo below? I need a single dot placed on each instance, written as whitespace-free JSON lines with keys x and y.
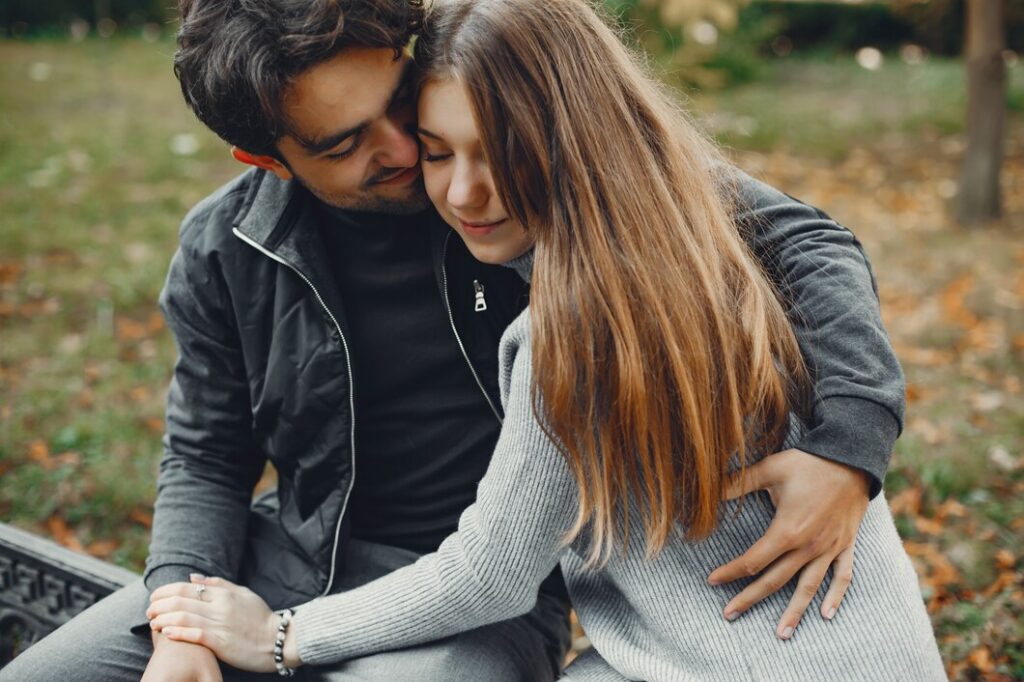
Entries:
{"x":99,"y":160}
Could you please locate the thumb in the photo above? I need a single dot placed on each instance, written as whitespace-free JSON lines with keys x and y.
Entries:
{"x":754,"y":477}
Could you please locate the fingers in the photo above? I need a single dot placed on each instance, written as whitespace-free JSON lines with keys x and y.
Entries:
{"x":212,"y":592}
{"x":770,"y":547}
{"x":172,"y":604}
{"x":773,"y":580}
{"x":173,"y":590}
{"x":807,"y":586}
{"x":842,"y":576}
{"x":177,"y":619}
{"x":186,"y":634}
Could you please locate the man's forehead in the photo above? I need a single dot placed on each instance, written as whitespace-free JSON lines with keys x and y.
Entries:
{"x":351,"y":87}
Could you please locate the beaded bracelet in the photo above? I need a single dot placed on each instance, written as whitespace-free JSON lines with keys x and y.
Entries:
{"x":282,"y":628}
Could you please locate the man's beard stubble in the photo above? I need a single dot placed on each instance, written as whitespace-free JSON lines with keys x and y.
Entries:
{"x":366,"y":200}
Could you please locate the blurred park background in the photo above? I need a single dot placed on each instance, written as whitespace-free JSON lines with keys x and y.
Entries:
{"x":858,"y":108}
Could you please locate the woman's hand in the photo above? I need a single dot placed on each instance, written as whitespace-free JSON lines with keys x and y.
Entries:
{"x":230,"y":620}
{"x":819,"y":505}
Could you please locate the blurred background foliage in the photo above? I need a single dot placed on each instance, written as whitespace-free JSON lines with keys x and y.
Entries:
{"x":699,"y":42}
{"x":858,"y":108}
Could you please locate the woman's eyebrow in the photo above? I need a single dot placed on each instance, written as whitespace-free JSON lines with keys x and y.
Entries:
{"x":426,"y":133}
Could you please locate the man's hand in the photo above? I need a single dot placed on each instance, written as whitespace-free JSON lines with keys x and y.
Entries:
{"x":180,"y":662}
{"x":231,"y":621}
{"x":819,"y":506}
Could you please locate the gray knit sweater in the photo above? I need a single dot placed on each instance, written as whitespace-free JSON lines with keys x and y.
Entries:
{"x":648,"y":620}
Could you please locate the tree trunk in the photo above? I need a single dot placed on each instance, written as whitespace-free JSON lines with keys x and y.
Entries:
{"x":978,"y":199}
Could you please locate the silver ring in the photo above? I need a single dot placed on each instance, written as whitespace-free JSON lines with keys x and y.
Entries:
{"x":199,"y":591}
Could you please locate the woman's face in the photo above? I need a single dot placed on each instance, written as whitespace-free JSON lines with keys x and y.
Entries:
{"x":457,"y":176}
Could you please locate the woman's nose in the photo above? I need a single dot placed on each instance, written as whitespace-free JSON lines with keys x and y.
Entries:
{"x":467,"y":188}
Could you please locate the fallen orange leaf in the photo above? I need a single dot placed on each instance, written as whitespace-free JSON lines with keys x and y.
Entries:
{"x":127,"y":329}
{"x":1005,"y":559}
{"x":141,"y":517}
{"x":981,"y":658}
{"x":927,"y":526}
{"x":155,"y":323}
{"x":951,"y":508}
{"x":1005,"y":579}
{"x":906,"y":502}
{"x":102,"y":548}
{"x":10,"y":272}
{"x":60,"y":531}
{"x":39,"y":451}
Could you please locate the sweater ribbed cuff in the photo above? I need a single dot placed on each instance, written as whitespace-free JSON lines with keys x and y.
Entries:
{"x":853,"y":431}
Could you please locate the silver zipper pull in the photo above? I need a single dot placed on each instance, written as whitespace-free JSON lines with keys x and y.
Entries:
{"x":481,"y":302}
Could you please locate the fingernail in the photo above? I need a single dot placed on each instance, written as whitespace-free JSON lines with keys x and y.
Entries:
{"x":196,"y":576}
{"x":831,"y":613}
{"x":712,"y":581}
{"x":732,"y":615}
{"x":788,"y":632}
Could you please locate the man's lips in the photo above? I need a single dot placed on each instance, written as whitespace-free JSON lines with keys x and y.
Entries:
{"x":480,"y":228}
{"x":401,"y":176}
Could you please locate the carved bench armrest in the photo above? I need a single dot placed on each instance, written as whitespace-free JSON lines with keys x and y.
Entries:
{"x":43,"y":585}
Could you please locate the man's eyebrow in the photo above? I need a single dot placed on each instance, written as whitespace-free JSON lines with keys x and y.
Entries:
{"x":320,"y":145}
{"x":426,"y":133}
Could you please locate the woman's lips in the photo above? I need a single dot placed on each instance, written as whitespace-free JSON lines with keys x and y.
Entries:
{"x":479,"y":229}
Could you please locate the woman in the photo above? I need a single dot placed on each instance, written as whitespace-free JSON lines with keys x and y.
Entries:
{"x":655,"y":360}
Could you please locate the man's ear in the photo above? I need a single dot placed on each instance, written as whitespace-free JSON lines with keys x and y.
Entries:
{"x":265,"y":162}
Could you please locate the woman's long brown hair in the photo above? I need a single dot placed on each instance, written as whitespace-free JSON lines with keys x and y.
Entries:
{"x":661,"y":351}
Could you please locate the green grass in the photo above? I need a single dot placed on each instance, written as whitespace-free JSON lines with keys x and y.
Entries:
{"x":824,"y":105}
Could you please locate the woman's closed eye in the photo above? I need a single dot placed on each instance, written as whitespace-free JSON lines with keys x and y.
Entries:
{"x":431,"y":157}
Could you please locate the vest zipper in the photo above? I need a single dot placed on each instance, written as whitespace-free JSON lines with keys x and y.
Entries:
{"x":351,"y":394}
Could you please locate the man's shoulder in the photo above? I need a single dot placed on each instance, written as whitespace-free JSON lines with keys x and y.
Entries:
{"x":208,"y":226}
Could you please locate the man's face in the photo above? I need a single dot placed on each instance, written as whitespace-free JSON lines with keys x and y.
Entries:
{"x":353,"y":120}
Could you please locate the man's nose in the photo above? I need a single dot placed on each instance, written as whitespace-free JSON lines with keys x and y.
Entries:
{"x":398,"y":147}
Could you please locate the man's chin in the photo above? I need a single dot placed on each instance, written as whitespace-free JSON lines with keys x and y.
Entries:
{"x":391,"y":201}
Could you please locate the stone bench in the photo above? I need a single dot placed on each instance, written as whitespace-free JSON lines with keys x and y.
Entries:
{"x":44,"y":585}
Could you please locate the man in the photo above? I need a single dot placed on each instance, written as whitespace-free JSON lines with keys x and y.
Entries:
{"x":326,"y":322}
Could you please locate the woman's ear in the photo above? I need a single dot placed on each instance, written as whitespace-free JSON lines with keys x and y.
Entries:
{"x":265,"y":162}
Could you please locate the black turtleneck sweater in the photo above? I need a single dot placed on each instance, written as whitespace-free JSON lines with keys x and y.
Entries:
{"x":424,"y":431}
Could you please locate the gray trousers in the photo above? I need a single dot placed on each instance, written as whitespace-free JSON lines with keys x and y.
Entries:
{"x":98,"y":645}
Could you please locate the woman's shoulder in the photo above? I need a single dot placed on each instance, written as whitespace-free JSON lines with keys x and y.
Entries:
{"x":514,"y":353}
{"x":518,"y":332}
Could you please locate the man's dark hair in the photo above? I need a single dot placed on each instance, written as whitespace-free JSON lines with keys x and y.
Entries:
{"x":236,"y":58}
